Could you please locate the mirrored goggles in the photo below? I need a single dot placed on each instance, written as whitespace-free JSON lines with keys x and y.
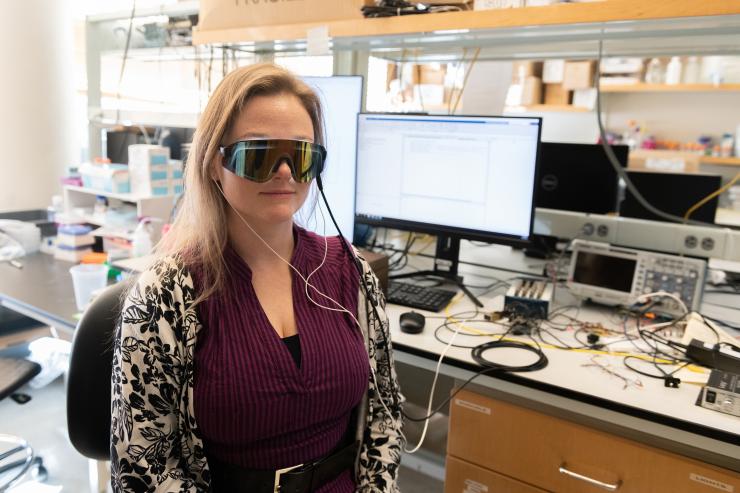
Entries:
{"x":259,"y":160}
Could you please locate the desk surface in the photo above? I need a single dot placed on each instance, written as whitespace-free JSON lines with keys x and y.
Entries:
{"x":653,"y":414}
{"x":42,"y":290}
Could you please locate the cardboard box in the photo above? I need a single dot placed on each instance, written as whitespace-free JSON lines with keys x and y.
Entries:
{"x":462,"y":476}
{"x":552,"y":71}
{"x":497,"y":4}
{"x":585,"y":98}
{"x":526,"y":93}
{"x":526,"y":69}
{"x":579,"y":75}
{"x":227,"y":14}
{"x":531,"y":91}
{"x":664,"y":160}
{"x":428,"y":74}
{"x":556,"y":94}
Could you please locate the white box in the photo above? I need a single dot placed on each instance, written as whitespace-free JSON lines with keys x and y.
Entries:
{"x":585,"y":98}
{"x":497,"y":4}
{"x":618,"y":65}
{"x":552,"y":71}
{"x":105,"y":177}
{"x":147,"y":164}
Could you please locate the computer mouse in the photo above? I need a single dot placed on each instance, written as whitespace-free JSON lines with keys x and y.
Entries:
{"x":412,"y":322}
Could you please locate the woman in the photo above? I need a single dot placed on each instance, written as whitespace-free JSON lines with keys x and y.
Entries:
{"x":253,"y":346}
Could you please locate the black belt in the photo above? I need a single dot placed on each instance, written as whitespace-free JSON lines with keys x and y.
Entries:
{"x":303,"y":478}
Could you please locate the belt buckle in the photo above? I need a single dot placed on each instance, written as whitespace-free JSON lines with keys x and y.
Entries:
{"x":279,"y":473}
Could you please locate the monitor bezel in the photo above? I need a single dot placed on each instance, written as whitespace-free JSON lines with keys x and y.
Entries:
{"x":441,"y":229}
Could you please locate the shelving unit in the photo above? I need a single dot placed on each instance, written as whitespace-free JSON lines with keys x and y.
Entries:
{"x":561,"y":30}
{"x":642,"y":87}
{"x":548,"y":108}
{"x":80,"y":197}
{"x":721,"y":161}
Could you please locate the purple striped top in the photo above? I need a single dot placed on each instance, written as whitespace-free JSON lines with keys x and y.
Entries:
{"x":254,"y":406}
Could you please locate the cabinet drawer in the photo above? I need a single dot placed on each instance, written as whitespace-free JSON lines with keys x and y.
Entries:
{"x":541,"y":450}
{"x":464,"y":477}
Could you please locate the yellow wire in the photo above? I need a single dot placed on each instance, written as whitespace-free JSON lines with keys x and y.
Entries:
{"x":465,"y":81}
{"x":710,"y":197}
{"x":471,"y":330}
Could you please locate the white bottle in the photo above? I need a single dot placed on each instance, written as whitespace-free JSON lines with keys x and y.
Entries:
{"x":654,"y":72}
{"x":692,"y":71}
{"x":673,"y":72}
{"x":142,"y":242}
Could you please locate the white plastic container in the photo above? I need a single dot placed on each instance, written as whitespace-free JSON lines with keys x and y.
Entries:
{"x":673,"y":72}
{"x":86,"y":279}
{"x":654,"y":72}
{"x":112,"y":178}
{"x":692,"y":71}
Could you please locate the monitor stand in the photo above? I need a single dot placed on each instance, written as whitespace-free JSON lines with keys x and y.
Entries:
{"x":445,"y":266}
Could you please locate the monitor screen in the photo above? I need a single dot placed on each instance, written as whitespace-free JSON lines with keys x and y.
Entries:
{"x":341,"y":100}
{"x":578,"y":177}
{"x":471,"y":177}
{"x":674,"y":193}
{"x":604,"y":271}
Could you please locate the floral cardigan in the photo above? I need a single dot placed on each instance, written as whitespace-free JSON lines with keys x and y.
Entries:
{"x":156,"y":445}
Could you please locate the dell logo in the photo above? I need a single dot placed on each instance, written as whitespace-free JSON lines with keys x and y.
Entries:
{"x":549,"y":182}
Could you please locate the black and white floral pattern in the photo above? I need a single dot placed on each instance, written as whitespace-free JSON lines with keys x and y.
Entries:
{"x":155,"y":442}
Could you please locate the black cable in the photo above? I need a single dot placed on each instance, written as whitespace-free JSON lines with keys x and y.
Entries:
{"x":612,"y":158}
{"x":477,"y":355}
{"x":368,"y":296}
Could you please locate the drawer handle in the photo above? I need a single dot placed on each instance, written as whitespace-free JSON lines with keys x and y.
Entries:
{"x":595,"y":482}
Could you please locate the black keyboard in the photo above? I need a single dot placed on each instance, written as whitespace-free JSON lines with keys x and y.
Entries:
{"x":421,"y":297}
{"x":14,"y":373}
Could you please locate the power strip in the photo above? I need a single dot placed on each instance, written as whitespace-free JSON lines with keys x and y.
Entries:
{"x":681,"y":239}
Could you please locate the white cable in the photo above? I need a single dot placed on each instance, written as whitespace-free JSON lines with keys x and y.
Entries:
{"x":434,"y":384}
{"x":340,"y":309}
{"x":663,"y":294}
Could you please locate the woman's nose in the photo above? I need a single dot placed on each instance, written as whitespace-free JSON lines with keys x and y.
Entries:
{"x":284,"y":170}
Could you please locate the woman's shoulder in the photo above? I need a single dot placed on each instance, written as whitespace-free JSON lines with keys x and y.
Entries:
{"x":314,"y":245}
{"x":168,"y":272}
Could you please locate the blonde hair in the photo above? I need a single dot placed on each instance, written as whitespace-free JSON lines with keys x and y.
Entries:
{"x":199,"y":234}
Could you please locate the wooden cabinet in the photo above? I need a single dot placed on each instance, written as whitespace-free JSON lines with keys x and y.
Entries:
{"x":464,"y":477}
{"x":560,"y":456}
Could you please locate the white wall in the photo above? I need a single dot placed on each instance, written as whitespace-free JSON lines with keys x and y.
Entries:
{"x":37,"y":137}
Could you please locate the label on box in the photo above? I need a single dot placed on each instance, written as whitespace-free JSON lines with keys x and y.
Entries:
{"x":473,"y":406}
{"x":317,"y":41}
{"x":711,"y":482}
{"x":474,"y":487}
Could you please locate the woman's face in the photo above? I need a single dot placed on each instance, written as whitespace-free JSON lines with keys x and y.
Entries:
{"x":280,"y":116}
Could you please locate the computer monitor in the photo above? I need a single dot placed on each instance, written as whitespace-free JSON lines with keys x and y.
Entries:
{"x":674,"y":193}
{"x":469,"y":177}
{"x":341,"y":100}
{"x":578,"y":177}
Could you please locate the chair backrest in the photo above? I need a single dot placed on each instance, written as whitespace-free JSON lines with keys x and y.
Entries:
{"x":89,"y":377}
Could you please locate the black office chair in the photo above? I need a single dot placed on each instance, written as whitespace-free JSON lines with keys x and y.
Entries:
{"x":89,"y":377}
{"x":17,"y":457}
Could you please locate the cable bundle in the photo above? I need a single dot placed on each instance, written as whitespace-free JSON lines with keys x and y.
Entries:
{"x":393,"y":8}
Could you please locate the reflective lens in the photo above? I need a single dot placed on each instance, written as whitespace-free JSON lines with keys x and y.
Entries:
{"x":258,"y":160}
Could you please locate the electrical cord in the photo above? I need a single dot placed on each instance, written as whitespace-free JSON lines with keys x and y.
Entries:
{"x":612,"y":158}
{"x":394,"y":8}
{"x":709,"y":197}
{"x":124,"y":58}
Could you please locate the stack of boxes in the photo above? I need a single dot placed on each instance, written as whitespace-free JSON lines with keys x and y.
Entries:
{"x":569,"y":82}
{"x":152,"y":172}
{"x":74,"y":241}
{"x":526,"y":86}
